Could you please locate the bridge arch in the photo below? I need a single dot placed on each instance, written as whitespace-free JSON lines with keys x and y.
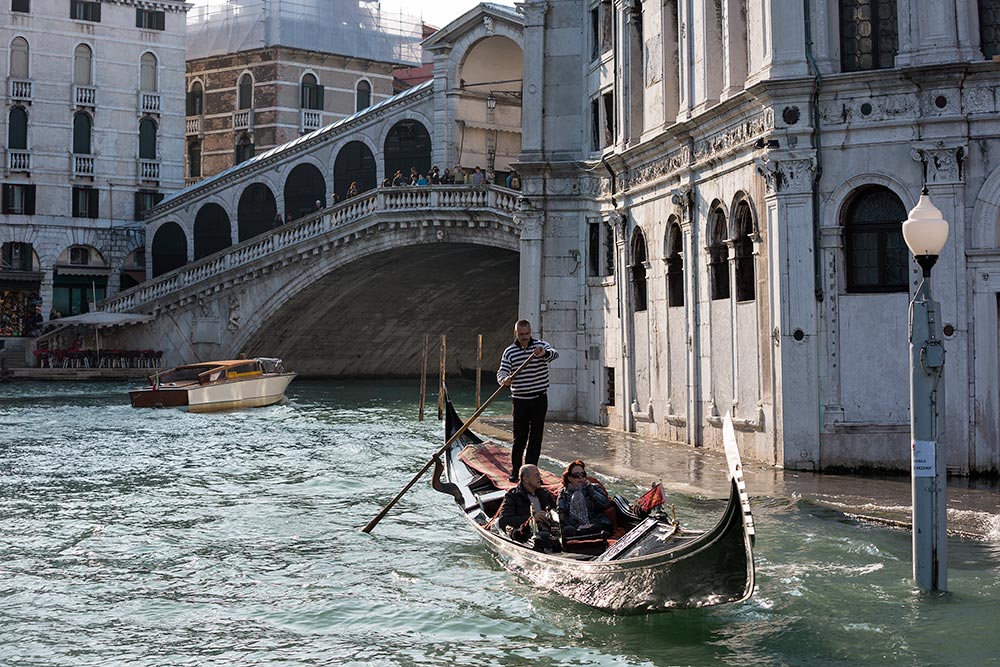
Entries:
{"x":355,"y":162}
{"x":169,"y":248}
{"x":406,"y":144}
{"x":303,"y":187}
{"x":213,"y":230}
{"x":256,"y":211}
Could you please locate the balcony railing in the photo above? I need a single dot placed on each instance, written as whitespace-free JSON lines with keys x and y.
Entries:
{"x":20,"y":90}
{"x":193,"y":125}
{"x":83,"y":165}
{"x":85,"y":96}
{"x":189,"y":181}
{"x":311,"y":120}
{"x":149,"y":102}
{"x":243,"y":120}
{"x":149,"y":170}
{"x":18,"y":160}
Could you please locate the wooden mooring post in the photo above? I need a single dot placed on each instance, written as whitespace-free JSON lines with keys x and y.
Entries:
{"x":479,"y":368}
{"x":444,"y":357}
{"x":423,"y":377}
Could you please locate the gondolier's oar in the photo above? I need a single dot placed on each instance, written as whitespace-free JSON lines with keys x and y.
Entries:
{"x":374,"y":522}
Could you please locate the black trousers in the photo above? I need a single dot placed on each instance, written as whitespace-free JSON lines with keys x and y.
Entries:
{"x":529,"y":424}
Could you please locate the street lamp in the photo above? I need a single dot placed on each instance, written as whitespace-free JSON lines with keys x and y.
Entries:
{"x":925,"y":232}
{"x":491,"y":103}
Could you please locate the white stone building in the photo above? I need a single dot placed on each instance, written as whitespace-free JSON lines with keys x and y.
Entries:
{"x":93,"y":127}
{"x":712,"y":223}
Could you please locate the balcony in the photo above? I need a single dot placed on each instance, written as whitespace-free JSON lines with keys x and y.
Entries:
{"x":83,"y":165}
{"x":149,"y":102}
{"x":311,"y":120}
{"x":243,"y":120}
{"x":18,"y":160}
{"x":149,"y":170}
{"x":189,"y":181}
{"x":85,"y":96}
{"x":20,"y":90}
{"x":193,"y":126}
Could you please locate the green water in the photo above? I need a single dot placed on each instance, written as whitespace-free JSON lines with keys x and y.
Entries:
{"x":157,"y":537}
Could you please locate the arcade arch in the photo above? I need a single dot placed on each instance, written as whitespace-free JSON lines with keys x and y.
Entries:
{"x":355,"y":162}
{"x":256,"y":211}
{"x":408,"y":145}
{"x":212,"y":231}
{"x":303,"y":188}
{"x":169,"y":248}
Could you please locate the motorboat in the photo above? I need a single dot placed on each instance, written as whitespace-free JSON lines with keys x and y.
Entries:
{"x":210,"y":386}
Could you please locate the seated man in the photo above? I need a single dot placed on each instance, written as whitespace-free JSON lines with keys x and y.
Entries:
{"x":524,"y":512}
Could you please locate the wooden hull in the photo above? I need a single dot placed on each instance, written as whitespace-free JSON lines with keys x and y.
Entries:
{"x":656,"y":566}
{"x":225,"y":395}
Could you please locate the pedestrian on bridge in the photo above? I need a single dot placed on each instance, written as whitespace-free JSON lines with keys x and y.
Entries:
{"x":529,"y":393}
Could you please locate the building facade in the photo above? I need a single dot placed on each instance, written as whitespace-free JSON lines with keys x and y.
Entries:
{"x":94,"y":133}
{"x":712,"y":220}
{"x":265,"y":73}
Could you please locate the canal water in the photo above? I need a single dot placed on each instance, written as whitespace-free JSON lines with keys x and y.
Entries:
{"x":157,"y":537}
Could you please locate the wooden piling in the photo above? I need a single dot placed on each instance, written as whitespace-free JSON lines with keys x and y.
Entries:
{"x":444,"y":357}
{"x":423,"y":377}
{"x":479,"y":367}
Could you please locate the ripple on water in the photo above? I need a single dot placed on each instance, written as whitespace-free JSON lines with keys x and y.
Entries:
{"x":151,"y":538}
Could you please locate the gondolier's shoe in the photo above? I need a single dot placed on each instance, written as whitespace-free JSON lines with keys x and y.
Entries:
{"x":512,"y":478}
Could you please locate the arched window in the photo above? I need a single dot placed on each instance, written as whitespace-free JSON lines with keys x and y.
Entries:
{"x":196,"y":100}
{"x":675,"y":265}
{"x":312,"y":93}
{"x":245,"y":92}
{"x":17,"y":129}
{"x":19,"y":58}
{"x":877,"y":257}
{"x":364,"y":96}
{"x":81,"y":133}
{"x":869,"y":35}
{"x":82,"y":69}
{"x":147,"y":73}
{"x":743,"y":250}
{"x":637,"y":270}
{"x":718,"y":256}
{"x":194,"y":160}
{"x":244,"y":149}
{"x":147,"y":139}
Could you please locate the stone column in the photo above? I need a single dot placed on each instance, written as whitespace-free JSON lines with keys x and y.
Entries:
{"x":443,"y":149}
{"x":734,"y":47}
{"x":670,"y":43}
{"x":779,"y":49}
{"x":530,"y":278}
{"x":939,"y":32}
{"x":618,"y":219}
{"x":532,"y":147}
{"x":945,"y":182}
{"x":794,"y":322}
{"x":685,"y":19}
{"x":708,"y":55}
{"x":683,"y":199}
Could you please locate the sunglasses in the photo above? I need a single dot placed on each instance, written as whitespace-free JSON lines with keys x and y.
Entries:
{"x":578,"y":475}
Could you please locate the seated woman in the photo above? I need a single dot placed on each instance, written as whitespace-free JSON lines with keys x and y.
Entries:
{"x":582,"y":504}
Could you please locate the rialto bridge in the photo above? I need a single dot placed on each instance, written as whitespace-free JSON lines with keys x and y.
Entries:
{"x":272,"y":257}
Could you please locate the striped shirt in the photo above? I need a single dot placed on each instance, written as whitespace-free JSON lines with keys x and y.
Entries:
{"x":534,"y":379}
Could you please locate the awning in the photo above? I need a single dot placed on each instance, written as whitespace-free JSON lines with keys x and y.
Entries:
{"x":97,"y":318}
{"x":82,"y":270}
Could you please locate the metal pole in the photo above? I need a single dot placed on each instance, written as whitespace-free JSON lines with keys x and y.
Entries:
{"x":930,"y":557}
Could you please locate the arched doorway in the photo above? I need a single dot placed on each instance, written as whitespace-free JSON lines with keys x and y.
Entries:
{"x":355,"y":162}
{"x":169,"y":248}
{"x":133,"y":270}
{"x":212,"y":231}
{"x":408,"y":145}
{"x":256,"y":212}
{"x":303,"y":187}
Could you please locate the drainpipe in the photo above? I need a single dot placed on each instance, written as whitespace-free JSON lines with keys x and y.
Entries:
{"x":817,"y":144}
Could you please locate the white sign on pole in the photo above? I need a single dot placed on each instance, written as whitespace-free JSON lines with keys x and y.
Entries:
{"x":923,"y":458}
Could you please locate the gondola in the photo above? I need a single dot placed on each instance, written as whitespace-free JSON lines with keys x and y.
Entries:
{"x":650,"y":564}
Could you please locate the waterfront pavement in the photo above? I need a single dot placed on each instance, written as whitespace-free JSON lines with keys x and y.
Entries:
{"x":973,"y":508}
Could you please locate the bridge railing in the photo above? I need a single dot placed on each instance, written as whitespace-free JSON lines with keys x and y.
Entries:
{"x":371,"y":203}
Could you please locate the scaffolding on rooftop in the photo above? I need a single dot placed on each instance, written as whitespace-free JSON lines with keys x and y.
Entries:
{"x":353,"y":28}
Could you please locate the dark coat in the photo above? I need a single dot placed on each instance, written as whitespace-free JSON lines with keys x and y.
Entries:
{"x":515,"y":512}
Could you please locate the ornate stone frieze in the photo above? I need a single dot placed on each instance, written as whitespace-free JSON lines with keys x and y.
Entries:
{"x":650,"y":171}
{"x":980,"y":99}
{"x":734,"y":138}
{"x":788,"y":176}
{"x":942,"y":164}
{"x":531,"y":223}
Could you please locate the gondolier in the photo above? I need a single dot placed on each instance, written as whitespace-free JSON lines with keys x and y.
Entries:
{"x":528,"y":392}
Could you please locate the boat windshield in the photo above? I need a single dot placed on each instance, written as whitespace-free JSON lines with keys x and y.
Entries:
{"x":269,"y":365}
{"x":181,"y":375}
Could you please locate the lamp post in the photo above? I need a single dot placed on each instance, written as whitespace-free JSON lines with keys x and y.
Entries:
{"x":925,"y":232}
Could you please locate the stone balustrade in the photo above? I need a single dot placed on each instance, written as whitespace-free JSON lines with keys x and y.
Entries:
{"x":424,"y":201}
{"x":20,"y":90}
